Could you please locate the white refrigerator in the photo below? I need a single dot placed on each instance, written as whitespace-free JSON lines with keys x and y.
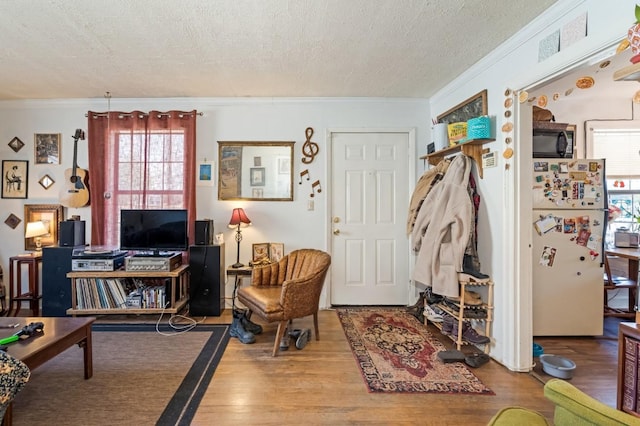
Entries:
{"x":569,"y":219}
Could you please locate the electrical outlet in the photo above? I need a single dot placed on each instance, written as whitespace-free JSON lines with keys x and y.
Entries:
{"x":310,"y":205}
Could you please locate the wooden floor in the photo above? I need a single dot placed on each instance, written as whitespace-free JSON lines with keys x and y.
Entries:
{"x":321,"y":384}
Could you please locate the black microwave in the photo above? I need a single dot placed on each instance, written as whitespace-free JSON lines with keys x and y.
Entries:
{"x":553,"y":140}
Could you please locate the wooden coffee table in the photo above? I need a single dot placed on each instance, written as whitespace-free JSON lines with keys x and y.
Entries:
{"x":59,"y":334}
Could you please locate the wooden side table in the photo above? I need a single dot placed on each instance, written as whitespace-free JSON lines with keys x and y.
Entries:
{"x":34,"y":293}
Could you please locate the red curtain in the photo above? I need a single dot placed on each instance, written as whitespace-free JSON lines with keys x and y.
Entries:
{"x":108,"y":178}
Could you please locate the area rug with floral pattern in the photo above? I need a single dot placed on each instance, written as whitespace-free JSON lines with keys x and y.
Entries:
{"x":396,"y":353}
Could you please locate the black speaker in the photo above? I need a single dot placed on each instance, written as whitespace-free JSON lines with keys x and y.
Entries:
{"x":204,"y":232}
{"x":72,"y":233}
{"x":206,"y":292}
{"x":56,"y":287}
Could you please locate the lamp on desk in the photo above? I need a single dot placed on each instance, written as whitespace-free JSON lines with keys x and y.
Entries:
{"x":36,"y":230}
{"x":238,"y":219}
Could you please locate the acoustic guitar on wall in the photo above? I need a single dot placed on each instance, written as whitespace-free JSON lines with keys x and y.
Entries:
{"x":76,"y":191}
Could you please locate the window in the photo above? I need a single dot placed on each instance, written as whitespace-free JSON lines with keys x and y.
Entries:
{"x":619,"y":143}
{"x":139,"y":161}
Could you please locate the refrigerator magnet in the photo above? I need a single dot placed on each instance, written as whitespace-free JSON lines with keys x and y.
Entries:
{"x":548,"y":256}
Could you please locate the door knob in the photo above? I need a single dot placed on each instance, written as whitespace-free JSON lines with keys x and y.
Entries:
{"x":336,"y":232}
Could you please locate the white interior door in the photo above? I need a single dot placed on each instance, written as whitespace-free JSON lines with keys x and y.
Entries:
{"x":370,"y":190}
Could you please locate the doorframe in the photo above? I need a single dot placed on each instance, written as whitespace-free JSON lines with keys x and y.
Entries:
{"x":325,"y":299}
{"x":519,"y":263}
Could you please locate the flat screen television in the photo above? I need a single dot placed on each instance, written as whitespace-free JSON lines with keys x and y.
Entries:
{"x":154,"y":231}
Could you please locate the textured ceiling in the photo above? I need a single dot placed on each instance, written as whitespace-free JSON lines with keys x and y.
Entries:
{"x":238,"y":48}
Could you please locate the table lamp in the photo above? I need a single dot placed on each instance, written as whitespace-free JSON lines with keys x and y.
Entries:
{"x":238,"y":219}
{"x":36,"y":230}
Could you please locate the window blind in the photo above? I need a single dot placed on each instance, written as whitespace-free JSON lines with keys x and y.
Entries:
{"x":621,"y":148}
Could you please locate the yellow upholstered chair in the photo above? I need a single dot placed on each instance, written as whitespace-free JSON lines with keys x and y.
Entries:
{"x":288,"y":289}
{"x":572,"y":408}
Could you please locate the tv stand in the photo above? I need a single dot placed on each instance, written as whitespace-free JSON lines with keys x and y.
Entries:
{"x":92,"y":285}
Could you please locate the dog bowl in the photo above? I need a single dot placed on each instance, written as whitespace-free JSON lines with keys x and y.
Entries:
{"x":557,"y":366}
{"x":537,"y":350}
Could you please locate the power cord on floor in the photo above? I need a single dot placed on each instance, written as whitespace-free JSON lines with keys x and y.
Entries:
{"x":179,"y":327}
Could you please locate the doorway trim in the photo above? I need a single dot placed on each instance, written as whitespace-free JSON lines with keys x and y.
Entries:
{"x":410,"y":163}
{"x":519,"y":264}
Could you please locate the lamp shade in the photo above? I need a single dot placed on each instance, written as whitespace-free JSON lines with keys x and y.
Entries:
{"x":36,"y":229}
{"x":239,"y":217}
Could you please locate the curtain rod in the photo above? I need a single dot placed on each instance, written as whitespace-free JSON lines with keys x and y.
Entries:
{"x":104,"y":114}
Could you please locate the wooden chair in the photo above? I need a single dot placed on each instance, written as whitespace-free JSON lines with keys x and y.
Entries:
{"x":288,"y":289}
{"x":614,"y":282}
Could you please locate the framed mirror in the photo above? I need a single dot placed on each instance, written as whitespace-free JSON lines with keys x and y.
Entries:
{"x":257,"y":171}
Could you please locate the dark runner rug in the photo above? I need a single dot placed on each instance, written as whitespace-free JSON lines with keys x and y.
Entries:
{"x":396,"y":353}
{"x":140,"y":377}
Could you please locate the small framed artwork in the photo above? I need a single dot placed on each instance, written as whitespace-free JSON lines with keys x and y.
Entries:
{"x":51,"y":215}
{"x":47,"y":148}
{"x":260,"y":252}
{"x":257,"y":176}
{"x":12,"y":221}
{"x":257,"y":193}
{"x":46,"y":181}
{"x":276,"y":251}
{"x":205,"y":173}
{"x":16,"y":144}
{"x":15,"y":178}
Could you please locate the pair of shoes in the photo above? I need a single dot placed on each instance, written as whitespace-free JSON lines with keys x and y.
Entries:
{"x":285,"y":342}
{"x":301,"y":337}
{"x":470,"y":335}
{"x":451,"y":355}
{"x":470,"y":272}
{"x":418,"y":303}
{"x":237,"y":329}
{"x":476,"y":360}
{"x":431,"y":314}
{"x":249,"y":325}
{"x":447,"y":324}
{"x":471,"y":298}
{"x":431,"y":297}
{"x":475,"y":313}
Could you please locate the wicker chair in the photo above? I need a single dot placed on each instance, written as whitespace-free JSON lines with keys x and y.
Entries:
{"x":288,"y":289}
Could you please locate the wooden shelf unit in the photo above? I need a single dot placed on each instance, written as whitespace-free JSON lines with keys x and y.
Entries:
{"x":460,"y":317}
{"x":179,"y":281}
{"x":474,"y":148}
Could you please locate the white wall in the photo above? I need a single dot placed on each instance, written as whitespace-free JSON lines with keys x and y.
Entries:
{"x":223,"y":120}
{"x":503,"y":241}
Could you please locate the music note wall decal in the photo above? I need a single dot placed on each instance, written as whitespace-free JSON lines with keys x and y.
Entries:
{"x":313,"y":188}
{"x":309,"y":149}
{"x":303,"y":173}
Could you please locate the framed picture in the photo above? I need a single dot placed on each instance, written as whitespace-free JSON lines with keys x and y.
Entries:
{"x":12,"y":221}
{"x":15,"y":178}
{"x":256,"y":176}
{"x":16,"y":144}
{"x":473,"y":107}
{"x":205,"y":173}
{"x":260,"y":252}
{"x":257,"y":193}
{"x":46,"y":181}
{"x":51,"y":215}
{"x":276,"y":251}
{"x":47,"y":148}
